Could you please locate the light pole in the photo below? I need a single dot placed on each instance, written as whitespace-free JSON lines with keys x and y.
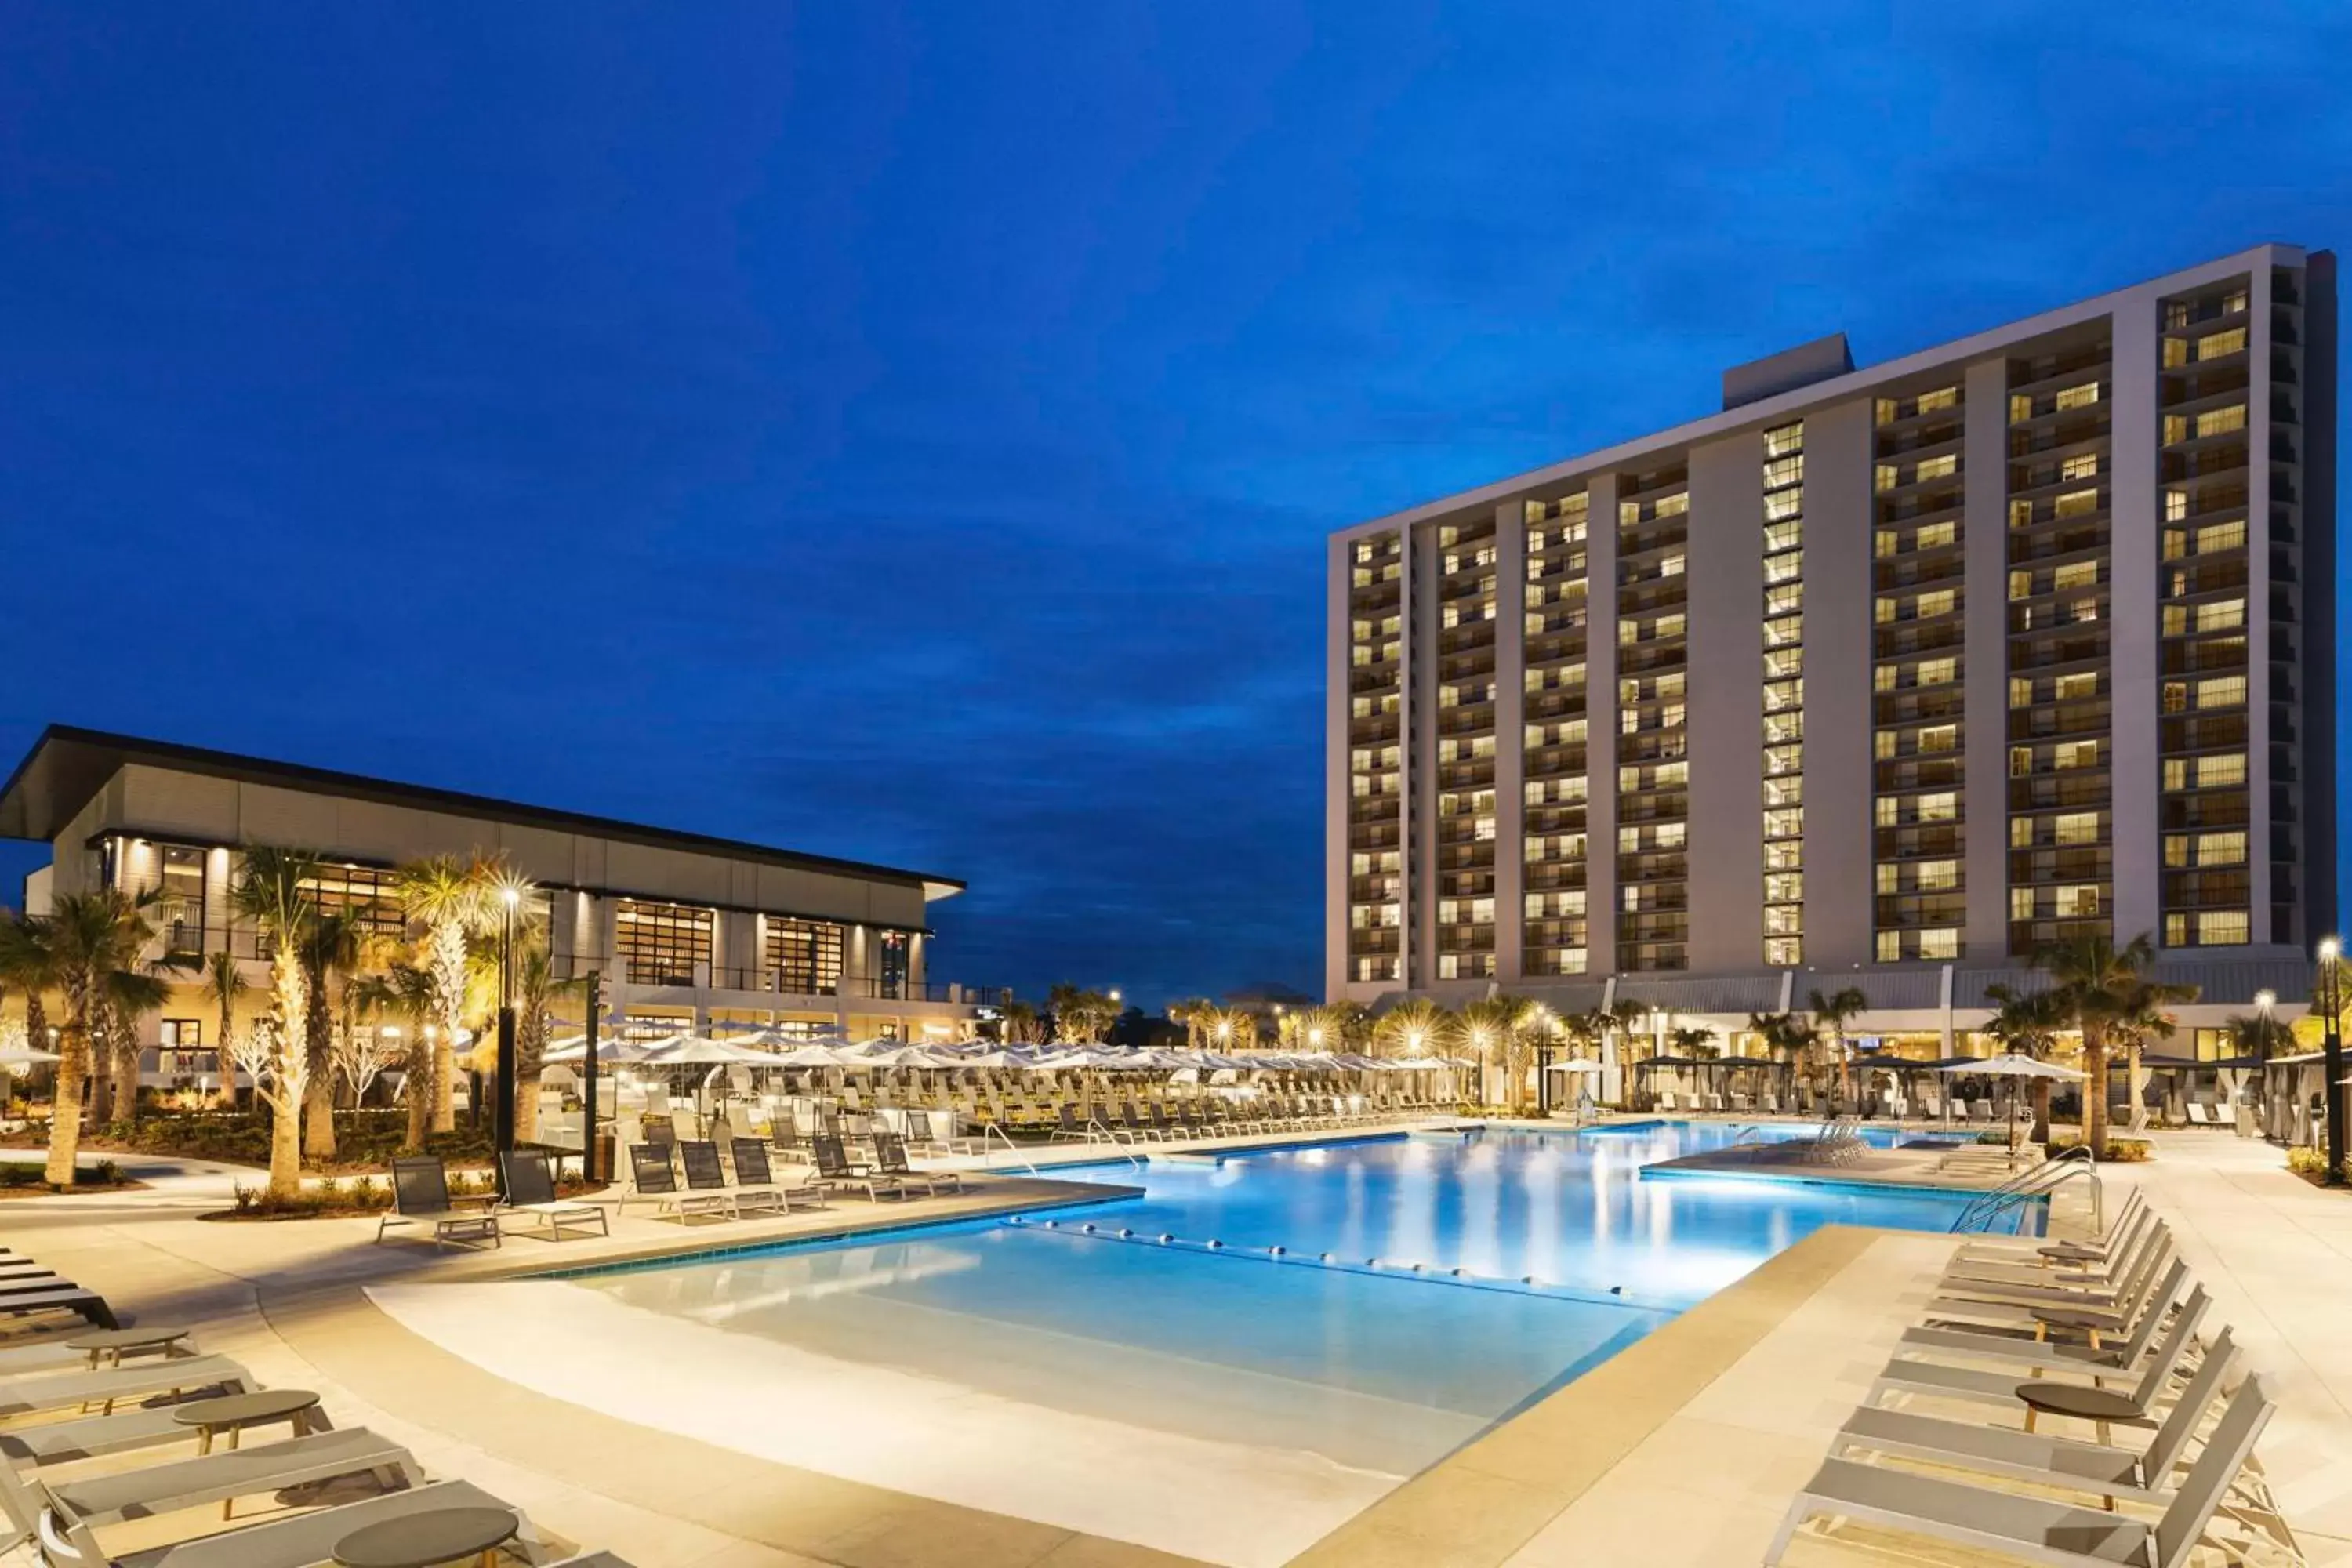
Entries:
{"x":503,"y":1125}
{"x":2331,"y":979}
{"x":588,"y":1083}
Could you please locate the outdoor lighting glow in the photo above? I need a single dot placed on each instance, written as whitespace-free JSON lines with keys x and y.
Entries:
{"x":511,"y":894}
{"x":2266,"y":999}
{"x":1314,"y":1036}
{"x":1414,"y":1037}
{"x":2328,"y":949}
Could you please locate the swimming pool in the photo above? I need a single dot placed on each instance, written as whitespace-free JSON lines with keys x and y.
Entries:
{"x":1112,"y":1385}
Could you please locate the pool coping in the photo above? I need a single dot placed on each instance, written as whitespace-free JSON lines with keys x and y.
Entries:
{"x":1481,"y":1504}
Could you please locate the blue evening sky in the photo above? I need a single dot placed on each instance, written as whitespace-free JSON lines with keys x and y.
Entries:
{"x":908,"y":431}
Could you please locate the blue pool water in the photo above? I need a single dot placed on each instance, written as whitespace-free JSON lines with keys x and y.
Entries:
{"x":1375,"y":1369}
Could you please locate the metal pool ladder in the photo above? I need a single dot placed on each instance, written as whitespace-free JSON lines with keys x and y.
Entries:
{"x":2026,"y":1186}
{"x":991,"y":1130}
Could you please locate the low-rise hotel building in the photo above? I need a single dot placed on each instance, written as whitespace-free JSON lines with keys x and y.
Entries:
{"x":1882,"y":678}
{"x":684,"y":929}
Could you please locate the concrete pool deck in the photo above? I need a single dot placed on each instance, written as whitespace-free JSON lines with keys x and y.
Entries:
{"x":1683,"y":1450}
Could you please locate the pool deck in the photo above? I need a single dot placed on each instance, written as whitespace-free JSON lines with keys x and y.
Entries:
{"x":1683,"y":1450}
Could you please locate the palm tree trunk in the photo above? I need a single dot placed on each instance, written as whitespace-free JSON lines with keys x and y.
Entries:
{"x":2094,"y":1092}
{"x":228,"y":1097}
{"x":2135,"y":1118}
{"x":415,"y":1089}
{"x":126,"y":1069}
{"x":319,"y":1097}
{"x":65,"y":1115}
{"x":285,"y":1143}
{"x":2041,"y":1110}
{"x":526,"y":1109}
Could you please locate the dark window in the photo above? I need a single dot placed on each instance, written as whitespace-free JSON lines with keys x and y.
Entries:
{"x":803,"y":955}
{"x":660,"y":944}
{"x":370,"y":891}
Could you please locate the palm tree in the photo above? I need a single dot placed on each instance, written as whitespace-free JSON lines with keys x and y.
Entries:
{"x":405,"y":992}
{"x":1499,"y":1024}
{"x":449,"y":901}
{"x":27,"y":963}
{"x":224,"y":984}
{"x":537,"y":988}
{"x":1334,"y":1027}
{"x":2104,"y":990}
{"x":2141,"y":1019}
{"x":94,"y":940}
{"x":2257,"y":1034}
{"x":1694,"y":1040}
{"x":2027,"y":1023}
{"x":1190,"y":1011}
{"x":273,"y":890}
{"x":1017,"y":1020}
{"x":1833,"y":1012}
{"x":1410,"y":1028}
{"x":332,"y":949}
{"x":1791,"y":1038}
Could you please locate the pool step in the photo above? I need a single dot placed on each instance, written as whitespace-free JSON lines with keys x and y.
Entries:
{"x":1381,"y":1267}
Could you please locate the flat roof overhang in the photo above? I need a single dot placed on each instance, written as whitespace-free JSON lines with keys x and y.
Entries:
{"x":67,"y":766}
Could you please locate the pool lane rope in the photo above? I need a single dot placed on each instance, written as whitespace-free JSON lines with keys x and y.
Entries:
{"x":1374,"y":1268}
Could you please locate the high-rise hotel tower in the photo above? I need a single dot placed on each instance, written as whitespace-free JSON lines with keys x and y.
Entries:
{"x":1899,"y":673}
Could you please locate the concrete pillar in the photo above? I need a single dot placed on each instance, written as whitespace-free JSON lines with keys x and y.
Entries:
{"x":2133,"y":562}
{"x":1984,"y":734}
{"x":1601,"y":726}
{"x":1510,"y":735}
{"x":1724,"y":704}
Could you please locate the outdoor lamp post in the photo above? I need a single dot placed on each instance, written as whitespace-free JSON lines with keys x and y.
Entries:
{"x":503,"y":1133}
{"x":2331,"y":979}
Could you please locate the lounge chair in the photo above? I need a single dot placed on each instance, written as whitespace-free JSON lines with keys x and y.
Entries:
{"x":654,"y":1179}
{"x":892,"y":1154}
{"x":86,"y":1437}
{"x":297,"y":1541}
{"x":2084,"y":1275}
{"x":531,"y":1199}
{"x":834,"y":1170}
{"x":33,"y":1392}
{"x":2033,"y":1348}
{"x":220,"y":1476}
{"x":2113,"y":1307}
{"x":420,"y":1195}
{"x":2085,"y":1251}
{"x":2091,"y":1467}
{"x":756,"y":1182}
{"x":2032,"y":1528}
{"x":1979,"y":1386}
{"x":63,"y":1297}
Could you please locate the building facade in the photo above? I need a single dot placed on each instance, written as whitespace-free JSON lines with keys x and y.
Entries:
{"x":1884,"y":677}
{"x":683,"y":929}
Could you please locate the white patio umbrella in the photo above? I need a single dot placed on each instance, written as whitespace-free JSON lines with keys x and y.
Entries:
{"x":2011,"y":1065}
{"x":609,"y":1048}
{"x":1576,"y":1065}
{"x":809,"y":1054}
{"x":27,"y":1055}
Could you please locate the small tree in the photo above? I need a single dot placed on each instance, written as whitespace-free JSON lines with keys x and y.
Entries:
{"x":2028,"y":1024}
{"x":1833,"y":1012}
{"x":360,"y":1055}
{"x":1413,"y":1027}
{"x":272,"y":889}
{"x":224,"y":984}
{"x":94,"y":942}
{"x":1498,"y":1026}
{"x":449,"y":902}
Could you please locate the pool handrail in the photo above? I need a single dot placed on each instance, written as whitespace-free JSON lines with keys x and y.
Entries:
{"x":2038,"y":1182}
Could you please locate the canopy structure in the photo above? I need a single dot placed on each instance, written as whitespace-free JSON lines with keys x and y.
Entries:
{"x":2011,"y":1065}
{"x":614,"y":1048}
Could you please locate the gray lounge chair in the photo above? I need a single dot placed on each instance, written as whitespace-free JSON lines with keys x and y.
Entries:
{"x":2091,"y":1468}
{"x":756,"y":1179}
{"x":1979,"y":1386}
{"x":892,"y":1155}
{"x":64,"y":1296}
{"x":33,"y":1392}
{"x":531,"y":1199}
{"x":60,"y":1442}
{"x":420,"y":1195}
{"x":222,"y":1476}
{"x":2021,"y":1347}
{"x":835,"y":1169}
{"x":300,"y":1542}
{"x":654,"y":1180}
{"x":2037,"y":1529}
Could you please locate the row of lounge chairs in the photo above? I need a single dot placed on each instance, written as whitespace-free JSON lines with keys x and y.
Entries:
{"x":27,"y":1289}
{"x":2105,"y":1330}
{"x":56,"y":1411}
{"x":1150,"y":1122}
{"x":420,"y":1195}
{"x":1965,"y":1112}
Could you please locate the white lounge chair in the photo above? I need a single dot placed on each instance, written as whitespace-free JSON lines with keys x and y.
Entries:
{"x":2091,"y":1467}
{"x":220,"y":1476}
{"x":1979,"y":1386}
{"x":2014,"y":1347}
{"x":299,"y":1541}
{"x":35,"y":1391}
{"x":2037,"y":1529}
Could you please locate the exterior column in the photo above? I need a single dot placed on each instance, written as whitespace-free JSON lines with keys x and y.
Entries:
{"x":1510,"y":739}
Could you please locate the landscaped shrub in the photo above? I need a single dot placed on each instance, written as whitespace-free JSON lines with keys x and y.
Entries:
{"x":2305,"y":1162}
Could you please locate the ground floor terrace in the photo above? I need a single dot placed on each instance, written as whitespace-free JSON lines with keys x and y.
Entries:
{"x":1628,"y":1370}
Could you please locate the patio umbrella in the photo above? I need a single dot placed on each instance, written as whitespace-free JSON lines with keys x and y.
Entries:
{"x":27,"y":1055}
{"x":2012,"y":1066}
{"x":1577,"y":1065}
{"x":808,"y":1054}
{"x":612,"y":1048}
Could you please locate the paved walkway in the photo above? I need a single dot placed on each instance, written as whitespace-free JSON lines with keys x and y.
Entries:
{"x":1710,"y":1424}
